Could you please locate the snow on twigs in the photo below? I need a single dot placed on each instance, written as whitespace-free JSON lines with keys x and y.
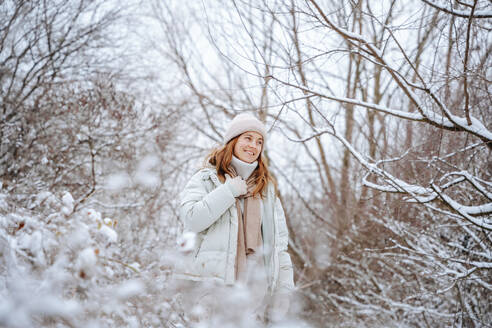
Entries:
{"x":67,"y":200}
{"x":86,"y":262}
{"x":129,"y":289}
{"x":186,"y":242}
{"x":51,"y":266}
{"x":109,"y":235}
{"x":117,"y":181}
{"x":145,"y":174}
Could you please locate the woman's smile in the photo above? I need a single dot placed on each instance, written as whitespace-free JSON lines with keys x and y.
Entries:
{"x":249,"y":152}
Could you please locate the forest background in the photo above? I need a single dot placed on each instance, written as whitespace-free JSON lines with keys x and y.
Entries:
{"x":380,"y":137}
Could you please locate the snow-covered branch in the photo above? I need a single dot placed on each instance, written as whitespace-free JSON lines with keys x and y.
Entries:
{"x":448,"y":120}
{"x":417,"y":193}
{"x":467,"y":211}
{"x":460,"y":13}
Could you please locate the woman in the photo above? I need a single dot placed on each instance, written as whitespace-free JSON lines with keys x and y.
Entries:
{"x":232,"y":207}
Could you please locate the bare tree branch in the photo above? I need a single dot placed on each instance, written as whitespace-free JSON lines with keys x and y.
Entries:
{"x":459,"y":13}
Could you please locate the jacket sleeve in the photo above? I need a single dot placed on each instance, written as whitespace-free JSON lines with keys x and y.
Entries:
{"x":286,"y":272}
{"x":199,"y":209}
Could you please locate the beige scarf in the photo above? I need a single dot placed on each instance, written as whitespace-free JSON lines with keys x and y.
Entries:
{"x":249,"y":238}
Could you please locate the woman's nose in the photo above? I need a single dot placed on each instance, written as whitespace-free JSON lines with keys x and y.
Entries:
{"x":253,"y":144}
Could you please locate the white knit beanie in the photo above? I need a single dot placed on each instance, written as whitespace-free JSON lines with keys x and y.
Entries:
{"x":243,"y":123}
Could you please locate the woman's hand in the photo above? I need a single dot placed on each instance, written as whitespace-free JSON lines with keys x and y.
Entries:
{"x":237,"y":185}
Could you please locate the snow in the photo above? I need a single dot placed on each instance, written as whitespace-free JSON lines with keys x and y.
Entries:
{"x":117,"y":181}
{"x":67,"y":200}
{"x":93,"y":215}
{"x":413,"y":116}
{"x":129,"y":289}
{"x":145,"y":174}
{"x":478,"y":209}
{"x":461,"y":13}
{"x":78,"y":237}
{"x":186,"y":242}
{"x":135,"y":265}
{"x":3,"y":203}
{"x":109,"y":235}
{"x":34,"y":244}
{"x":86,"y":262}
{"x":109,"y":222}
{"x":17,"y":311}
{"x":66,"y":210}
{"x":447,"y":120}
{"x":48,"y":199}
{"x":480,"y":222}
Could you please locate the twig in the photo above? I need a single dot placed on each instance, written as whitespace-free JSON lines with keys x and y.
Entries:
{"x":465,"y":68}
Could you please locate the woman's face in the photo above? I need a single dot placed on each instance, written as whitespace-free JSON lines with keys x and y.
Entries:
{"x":248,"y":146}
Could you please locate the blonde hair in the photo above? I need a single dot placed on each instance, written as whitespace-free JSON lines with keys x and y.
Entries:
{"x":221,"y":157}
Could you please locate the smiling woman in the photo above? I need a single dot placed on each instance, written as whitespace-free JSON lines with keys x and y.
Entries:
{"x":241,"y":231}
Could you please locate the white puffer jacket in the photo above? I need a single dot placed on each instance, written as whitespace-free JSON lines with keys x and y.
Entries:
{"x":208,"y":208}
